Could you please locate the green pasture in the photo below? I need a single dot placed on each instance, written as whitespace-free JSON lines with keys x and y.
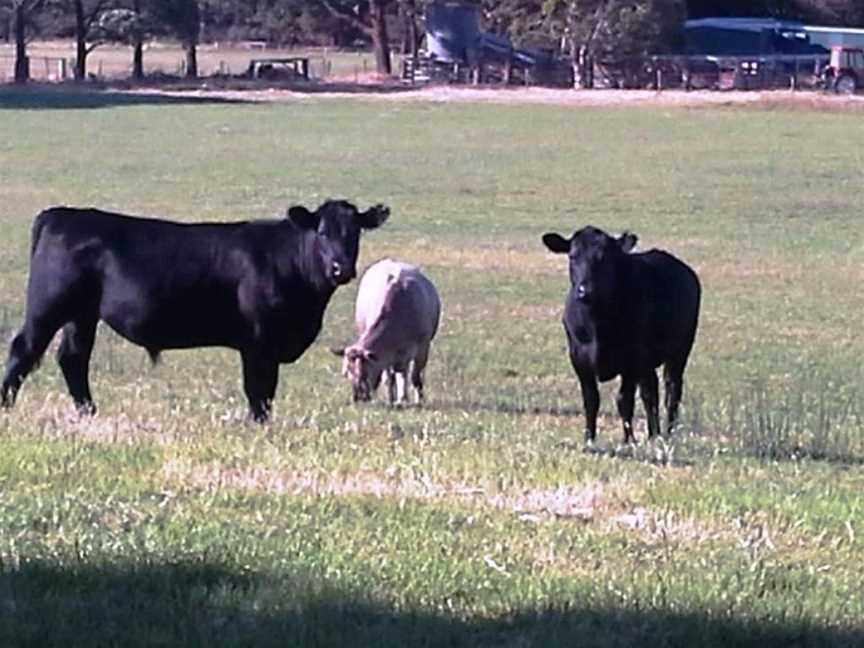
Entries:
{"x":479,"y":519}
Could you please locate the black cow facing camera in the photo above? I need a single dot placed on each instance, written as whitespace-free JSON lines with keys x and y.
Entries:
{"x":626,"y":314}
{"x":260,"y":287}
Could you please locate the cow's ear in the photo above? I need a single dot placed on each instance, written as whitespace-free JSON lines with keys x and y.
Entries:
{"x":628,"y":241}
{"x":556,"y":243}
{"x":337,"y":351}
{"x":370,"y":356}
{"x":303,"y":218}
{"x":373,"y":217}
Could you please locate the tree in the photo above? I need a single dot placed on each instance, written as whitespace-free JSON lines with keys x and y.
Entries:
{"x":132,"y":25}
{"x":619,"y":28}
{"x":183,"y":19}
{"x":23,"y":12}
{"x":841,"y":12}
{"x":87,"y":14}
{"x":408,"y":13}
{"x":370,"y":17}
{"x":849,"y":13}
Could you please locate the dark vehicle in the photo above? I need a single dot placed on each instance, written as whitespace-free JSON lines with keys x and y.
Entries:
{"x":625,"y":315}
{"x":260,"y":287}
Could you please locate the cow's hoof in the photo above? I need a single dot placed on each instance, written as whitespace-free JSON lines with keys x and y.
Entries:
{"x":87,"y":408}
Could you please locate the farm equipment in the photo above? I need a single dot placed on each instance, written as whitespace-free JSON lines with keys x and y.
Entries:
{"x":458,"y":51}
{"x":844,"y":73}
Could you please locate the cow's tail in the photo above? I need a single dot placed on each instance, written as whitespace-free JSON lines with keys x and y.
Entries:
{"x":38,"y":226}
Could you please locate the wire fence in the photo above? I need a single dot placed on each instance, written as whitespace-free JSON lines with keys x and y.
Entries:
{"x":55,"y":61}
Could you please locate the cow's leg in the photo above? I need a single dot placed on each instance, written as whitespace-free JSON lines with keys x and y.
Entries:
{"x":260,"y":375}
{"x":673,"y":379}
{"x":25,"y":352}
{"x":74,"y":359}
{"x":401,"y":380}
{"x":390,"y":377}
{"x":396,"y":384}
{"x":648,"y":390}
{"x":417,"y":372}
{"x":590,"y":401}
{"x":625,"y":402}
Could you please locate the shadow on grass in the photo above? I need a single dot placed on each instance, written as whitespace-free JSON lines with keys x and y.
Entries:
{"x":55,"y":96}
{"x":85,"y":96}
{"x":197,"y":603}
{"x":324,"y":87}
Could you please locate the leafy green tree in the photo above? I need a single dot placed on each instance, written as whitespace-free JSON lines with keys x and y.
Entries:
{"x":370,"y":17}
{"x":132,"y":25}
{"x":587,"y":29}
{"x":848,"y":13}
{"x":841,"y":12}
{"x":84,"y":16}
{"x":183,"y":19}
{"x":23,"y":13}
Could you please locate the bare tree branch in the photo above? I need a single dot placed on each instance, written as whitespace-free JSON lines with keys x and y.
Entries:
{"x":349,"y":17}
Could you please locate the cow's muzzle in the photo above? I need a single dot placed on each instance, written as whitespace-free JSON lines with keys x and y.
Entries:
{"x":340,"y":274}
{"x":583,"y":293}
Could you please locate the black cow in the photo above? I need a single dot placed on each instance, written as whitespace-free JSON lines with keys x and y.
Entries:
{"x":259,"y":287}
{"x":626,"y":314}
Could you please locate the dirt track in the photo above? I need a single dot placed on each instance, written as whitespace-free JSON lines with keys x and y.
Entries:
{"x":392,"y":91}
{"x":807,"y":100}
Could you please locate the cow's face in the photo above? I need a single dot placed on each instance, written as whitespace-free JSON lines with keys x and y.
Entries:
{"x":595,"y":261}
{"x":337,"y":225}
{"x":362,"y":368}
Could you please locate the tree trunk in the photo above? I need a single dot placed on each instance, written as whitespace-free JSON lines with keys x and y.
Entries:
{"x":584,"y":68}
{"x":409,"y":28}
{"x":80,"y":42}
{"x":191,"y":59}
{"x":138,"y":59}
{"x":22,"y":63}
{"x":137,"y":45}
{"x":380,"y":41}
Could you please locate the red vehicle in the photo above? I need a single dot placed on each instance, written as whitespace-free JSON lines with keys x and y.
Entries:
{"x":845,"y":71}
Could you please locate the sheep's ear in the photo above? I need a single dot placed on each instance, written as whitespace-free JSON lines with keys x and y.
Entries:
{"x":556,"y":243}
{"x":628,"y":241}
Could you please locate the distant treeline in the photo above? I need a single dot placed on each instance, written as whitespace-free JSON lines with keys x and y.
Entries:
{"x":572,"y":28}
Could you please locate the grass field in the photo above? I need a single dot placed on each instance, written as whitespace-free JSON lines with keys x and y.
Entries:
{"x":478,"y":520}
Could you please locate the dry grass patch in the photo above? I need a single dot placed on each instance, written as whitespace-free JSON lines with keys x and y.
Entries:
{"x":584,"y":501}
{"x":55,"y":419}
{"x":482,"y":260}
{"x":364,"y":89}
{"x":604,"y":503}
{"x":773,"y":270}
